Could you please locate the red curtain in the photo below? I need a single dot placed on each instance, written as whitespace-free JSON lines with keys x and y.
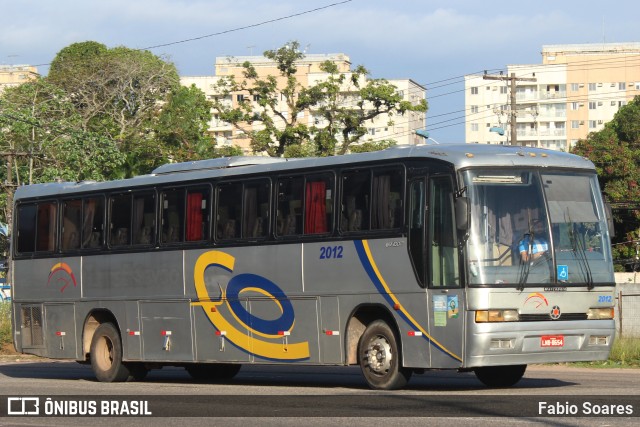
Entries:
{"x":315,"y":208}
{"x":194,"y":217}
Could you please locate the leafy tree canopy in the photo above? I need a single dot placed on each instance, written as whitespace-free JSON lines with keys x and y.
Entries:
{"x":270,"y":112}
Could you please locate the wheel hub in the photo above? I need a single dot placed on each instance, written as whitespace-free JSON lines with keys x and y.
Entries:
{"x":379,"y":355}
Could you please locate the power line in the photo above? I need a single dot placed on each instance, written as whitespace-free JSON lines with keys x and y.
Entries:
{"x":233,"y":30}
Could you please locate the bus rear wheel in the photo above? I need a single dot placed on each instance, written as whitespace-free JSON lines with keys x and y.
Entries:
{"x":106,"y":355}
{"x":500,"y":376}
{"x":212,"y":371}
{"x":379,"y":358}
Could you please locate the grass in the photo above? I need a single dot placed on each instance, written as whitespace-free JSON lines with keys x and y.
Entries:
{"x":5,"y":324}
{"x":624,"y":354}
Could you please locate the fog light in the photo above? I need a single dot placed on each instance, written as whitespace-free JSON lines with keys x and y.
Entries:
{"x":598,"y":340}
{"x":501,"y":343}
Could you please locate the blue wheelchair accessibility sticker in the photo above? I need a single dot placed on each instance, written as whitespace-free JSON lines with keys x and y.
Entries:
{"x":563,"y":272}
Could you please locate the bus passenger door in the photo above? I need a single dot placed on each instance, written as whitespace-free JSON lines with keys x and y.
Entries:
{"x":434,"y":250}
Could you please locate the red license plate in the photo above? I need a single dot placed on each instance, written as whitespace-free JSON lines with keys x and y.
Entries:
{"x":552,"y":341}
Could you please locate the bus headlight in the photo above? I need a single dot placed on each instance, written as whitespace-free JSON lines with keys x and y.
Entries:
{"x":484,"y":316}
{"x":600,"y":313}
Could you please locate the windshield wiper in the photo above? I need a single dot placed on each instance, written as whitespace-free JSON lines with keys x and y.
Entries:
{"x":525,"y":266}
{"x":577,"y":247}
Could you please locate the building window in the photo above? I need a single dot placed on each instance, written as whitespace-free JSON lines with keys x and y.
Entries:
{"x":575,"y":106}
{"x":592,"y":105}
{"x":474,"y":109}
{"x":575,"y":124}
{"x":240,"y":98}
{"x":575,"y":87}
{"x":503,"y":90}
{"x":592,"y":124}
{"x":592,"y":87}
{"x":474,"y":127}
{"x":622,"y":86}
{"x":474,"y":91}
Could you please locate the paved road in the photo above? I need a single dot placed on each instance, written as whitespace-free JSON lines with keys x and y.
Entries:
{"x":328,"y":396}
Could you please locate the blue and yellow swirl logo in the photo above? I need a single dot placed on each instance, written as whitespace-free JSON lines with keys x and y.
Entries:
{"x":261,"y":337}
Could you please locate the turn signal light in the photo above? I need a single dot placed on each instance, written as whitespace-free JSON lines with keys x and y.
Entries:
{"x":600,"y":313}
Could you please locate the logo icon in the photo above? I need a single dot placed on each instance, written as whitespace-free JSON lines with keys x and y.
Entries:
{"x":23,"y":406}
{"x":555,"y":313}
{"x":62,"y":274}
{"x":266,"y":338}
{"x":536,"y":299}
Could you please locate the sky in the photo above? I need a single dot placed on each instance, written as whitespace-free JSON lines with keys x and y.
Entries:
{"x":434,"y":43}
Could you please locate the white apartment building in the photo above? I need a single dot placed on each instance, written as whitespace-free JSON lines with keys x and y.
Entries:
{"x":399,"y":128}
{"x":577,"y":89}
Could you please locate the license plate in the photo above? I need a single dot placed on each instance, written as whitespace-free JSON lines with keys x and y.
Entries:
{"x":552,"y":341}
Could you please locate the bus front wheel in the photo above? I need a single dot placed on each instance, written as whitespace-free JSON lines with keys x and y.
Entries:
{"x":106,"y":355}
{"x":379,"y":358}
{"x":500,"y":376}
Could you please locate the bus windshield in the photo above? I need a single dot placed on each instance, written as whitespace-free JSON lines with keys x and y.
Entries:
{"x":536,"y":228}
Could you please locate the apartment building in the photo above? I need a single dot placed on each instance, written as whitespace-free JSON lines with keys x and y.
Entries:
{"x":574,"y":91}
{"x":399,"y":128}
{"x":14,"y":75}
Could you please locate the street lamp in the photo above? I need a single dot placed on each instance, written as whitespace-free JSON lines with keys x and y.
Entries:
{"x":425,"y":134}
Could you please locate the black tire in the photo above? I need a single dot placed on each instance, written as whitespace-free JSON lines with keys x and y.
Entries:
{"x":500,"y":376}
{"x":212,"y":371}
{"x":106,"y":355}
{"x":379,"y":358}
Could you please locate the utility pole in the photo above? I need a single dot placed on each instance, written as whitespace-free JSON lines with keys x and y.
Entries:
{"x":512,"y":84}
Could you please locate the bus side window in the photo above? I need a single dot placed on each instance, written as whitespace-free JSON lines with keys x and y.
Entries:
{"x":144,"y":219}
{"x":229,"y":211}
{"x":71,"y":224}
{"x":26,"y":236}
{"x":172,"y":215}
{"x":197,"y":214}
{"x":46,"y":226}
{"x":290,"y":206}
{"x":386,"y":205}
{"x":318,"y":205}
{"x":255,"y":216}
{"x":356,"y":189}
{"x":93,"y":222}
{"x":120,"y":214}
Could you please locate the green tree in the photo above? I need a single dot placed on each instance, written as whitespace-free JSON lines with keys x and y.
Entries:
{"x":41,"y":129}
{"x":615,"y":151}
{"x":118,"y":93}
{"x":183,"y":124}
{"x":273,"y":105}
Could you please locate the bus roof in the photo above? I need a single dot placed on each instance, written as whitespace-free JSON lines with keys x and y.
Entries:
{"x":458,"y":155}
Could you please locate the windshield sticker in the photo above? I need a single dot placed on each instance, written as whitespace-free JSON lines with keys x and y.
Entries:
{"x":563,"y":272}
{"x":452,"y":305}
{"x":440,"y":310}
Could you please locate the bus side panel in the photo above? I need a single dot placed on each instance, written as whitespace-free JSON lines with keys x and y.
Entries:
{"x":211,"y":345}
{"x":253,"y":296}
{"x":396,"y":285}
{"x":134,"y":275}
{"x":331,"y":336}
{"x":166,"y":331}
{"x":47,"y":279}
{"x":60,"y":331}
{"x":130,"y":329}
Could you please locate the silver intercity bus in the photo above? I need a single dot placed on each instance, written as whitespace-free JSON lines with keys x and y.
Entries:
{"x":472,"y":257}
